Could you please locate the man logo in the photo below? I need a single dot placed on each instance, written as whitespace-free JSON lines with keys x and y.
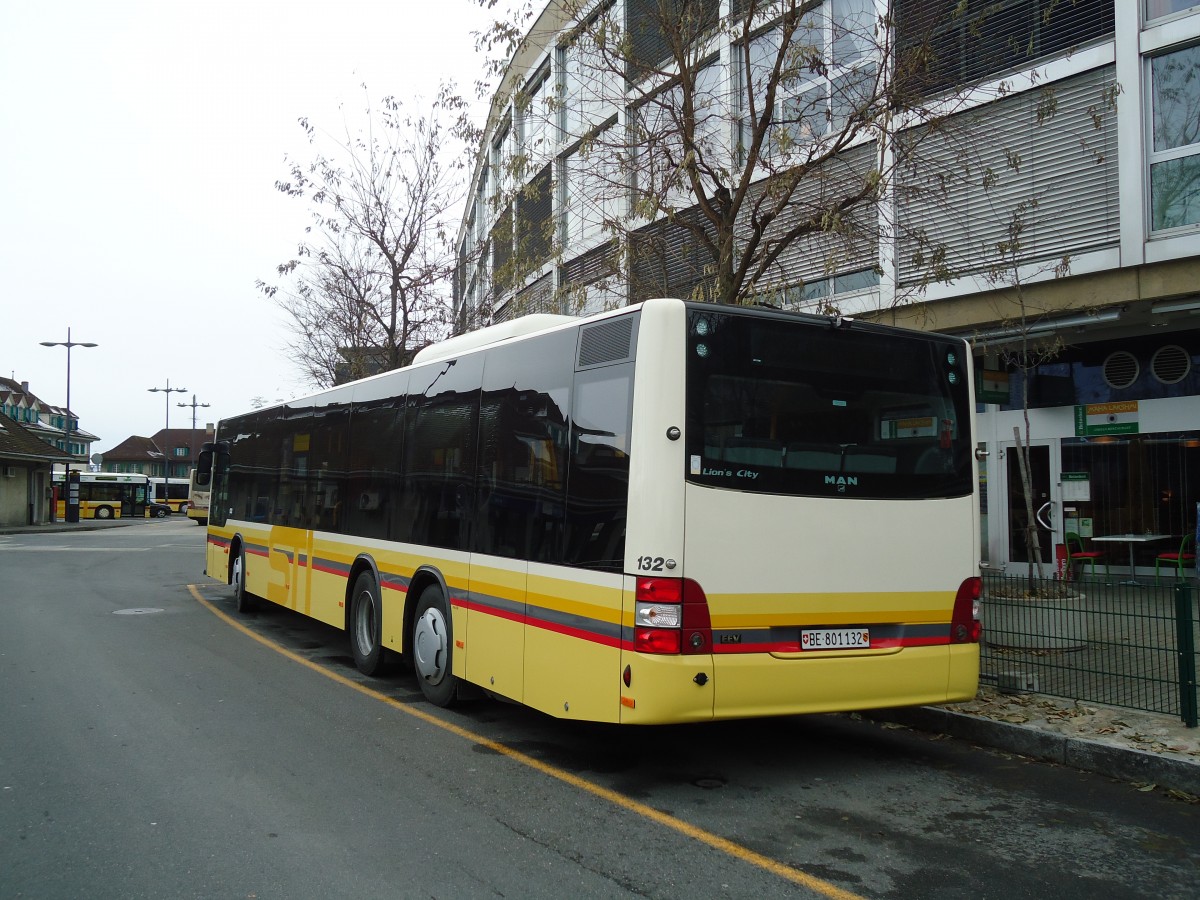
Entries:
{"x":841,"y":482}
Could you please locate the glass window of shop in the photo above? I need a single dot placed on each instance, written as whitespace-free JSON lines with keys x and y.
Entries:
{"x":1139,"y":484}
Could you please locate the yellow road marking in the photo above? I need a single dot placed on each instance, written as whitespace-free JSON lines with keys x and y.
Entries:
{"x":715,"y":841}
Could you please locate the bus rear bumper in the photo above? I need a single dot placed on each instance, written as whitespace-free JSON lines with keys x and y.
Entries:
{"x":763,"y":685}
{"x":749,"y":685}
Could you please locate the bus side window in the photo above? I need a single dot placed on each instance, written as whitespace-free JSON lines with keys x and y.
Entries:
{"x":441,"y":438}
{"x":521,"y":482}
{"x":598,"y":471}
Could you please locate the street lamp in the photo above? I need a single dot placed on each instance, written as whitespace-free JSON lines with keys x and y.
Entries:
{"x":68,"y":343}
{"x":168,"y":390}
{"x":192,"y":439}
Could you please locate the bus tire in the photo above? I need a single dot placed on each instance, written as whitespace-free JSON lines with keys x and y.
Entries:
{"x":102,"y":512}
{"x":366,"y":626}
{"x":433,"y":648}
{"x":242,"y":598}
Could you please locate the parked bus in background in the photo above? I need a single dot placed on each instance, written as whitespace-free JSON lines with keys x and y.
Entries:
{"x":108,"y":495}
{"x":198,"y":490}
{"x":175,"y":492}
{"x":670,"y":512}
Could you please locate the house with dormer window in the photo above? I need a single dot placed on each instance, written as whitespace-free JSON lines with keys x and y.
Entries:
{"x":26,"y":462}
{"x":45,"y":420}
{"x":170,"y":451}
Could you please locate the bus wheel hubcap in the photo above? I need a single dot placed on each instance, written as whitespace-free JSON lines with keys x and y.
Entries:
{"x":364,"y":623}
{"x":429,"y":646}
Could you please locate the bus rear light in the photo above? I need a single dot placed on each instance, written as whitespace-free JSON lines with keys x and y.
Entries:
{"x":671,"y":616}
{"x":965,"y":627}
{"x":657,"y":615}
{"x":659,"y":590}
{"x":656,"y":640}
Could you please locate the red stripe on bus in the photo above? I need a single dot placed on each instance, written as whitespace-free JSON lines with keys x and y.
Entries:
{"x":492,"y":611}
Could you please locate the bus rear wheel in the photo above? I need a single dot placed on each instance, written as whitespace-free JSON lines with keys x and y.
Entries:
{"x":103,"y":512}
{"x":366,"y":626}
{"x":433,"y":647}
{"x":243,"y":599}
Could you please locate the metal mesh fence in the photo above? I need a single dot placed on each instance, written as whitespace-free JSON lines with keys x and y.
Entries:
{"x":1129,"y":644}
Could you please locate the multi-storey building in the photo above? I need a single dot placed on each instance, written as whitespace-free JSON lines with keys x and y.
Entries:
{"x":1042,"y":198}
{"x":33,"y":440}
{"x":47,"y":421}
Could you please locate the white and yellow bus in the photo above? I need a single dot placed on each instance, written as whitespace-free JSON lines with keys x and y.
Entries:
{"x":175,"y":492}
{"x":198,"y":492}
{"x":107,"y":495}
{"x":671,"y":512}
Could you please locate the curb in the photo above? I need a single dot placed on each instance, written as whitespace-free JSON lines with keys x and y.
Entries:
{"x":1124,"y":763}
{"x":62,"y":527}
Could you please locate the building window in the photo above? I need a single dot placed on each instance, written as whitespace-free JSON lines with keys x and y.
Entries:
{"x":828,"y":74}
{"x":501,"y":175}
{"x":182,"y":452}
{"x":585,"y":93}
{"x":816,"y":292}
{"x":594,"y":194}
{"x":538,"y":128}
{"x":1175,"y":139}
{"x":943,"y":44}
{"x":1156,"y":9}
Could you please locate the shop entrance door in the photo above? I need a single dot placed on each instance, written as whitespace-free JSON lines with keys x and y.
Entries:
{"x":1044,"y":477}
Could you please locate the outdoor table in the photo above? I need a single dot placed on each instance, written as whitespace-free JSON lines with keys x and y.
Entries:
{"x":1130,"y":539}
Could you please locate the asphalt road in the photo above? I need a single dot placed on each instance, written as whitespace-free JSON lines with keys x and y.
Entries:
{"x":155,"y":744}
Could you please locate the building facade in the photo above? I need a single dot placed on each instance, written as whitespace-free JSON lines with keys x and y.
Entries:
{"x":1042,"y":199}
{"x":46,"y":421}
{"x":26,"y":464}
{"x":168,"y":453}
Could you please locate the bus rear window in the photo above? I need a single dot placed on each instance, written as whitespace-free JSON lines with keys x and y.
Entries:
{"x":778,"y":404}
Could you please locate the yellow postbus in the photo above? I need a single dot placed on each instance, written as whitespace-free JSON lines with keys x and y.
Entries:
{"x":671,"y":512}
{"x":110,"y":495}
{"x":175,"y":492}
{"x":198,"y":493}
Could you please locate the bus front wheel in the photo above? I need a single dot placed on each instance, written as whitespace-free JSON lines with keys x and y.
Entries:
{"x":103,"y":512}
{"x":366,"y":626}
{"x":432,"y":648}
{"x":243,"y":599}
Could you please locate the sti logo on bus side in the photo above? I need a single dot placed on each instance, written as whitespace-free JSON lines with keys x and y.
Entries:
{"x":842,"y":482}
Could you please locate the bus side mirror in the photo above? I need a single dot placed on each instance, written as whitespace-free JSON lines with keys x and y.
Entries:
{"x":204,"y":464}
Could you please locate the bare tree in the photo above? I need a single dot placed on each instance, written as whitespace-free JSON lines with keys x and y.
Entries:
{"x":727,"y":181}
{"x":369,"y":284}
{"x":742,"y":151}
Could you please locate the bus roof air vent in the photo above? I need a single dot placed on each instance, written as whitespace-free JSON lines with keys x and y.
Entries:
{"x":606,"y":342}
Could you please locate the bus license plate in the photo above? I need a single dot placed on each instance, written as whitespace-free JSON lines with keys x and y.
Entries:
{"x":835,"y":638}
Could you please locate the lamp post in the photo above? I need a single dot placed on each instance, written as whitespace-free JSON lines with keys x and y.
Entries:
{"x":192,"y":439}
{"x":68,"y":343}
{"x":168,"y":390}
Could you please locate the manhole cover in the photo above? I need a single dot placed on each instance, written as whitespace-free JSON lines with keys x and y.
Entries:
{"x":140,"y":611}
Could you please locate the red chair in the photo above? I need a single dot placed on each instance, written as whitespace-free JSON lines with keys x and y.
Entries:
{"x":1180,"y":559}
{"x":1075,"y":551}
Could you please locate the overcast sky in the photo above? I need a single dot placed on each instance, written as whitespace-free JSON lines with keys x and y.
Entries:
{"x":140,"y":141}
